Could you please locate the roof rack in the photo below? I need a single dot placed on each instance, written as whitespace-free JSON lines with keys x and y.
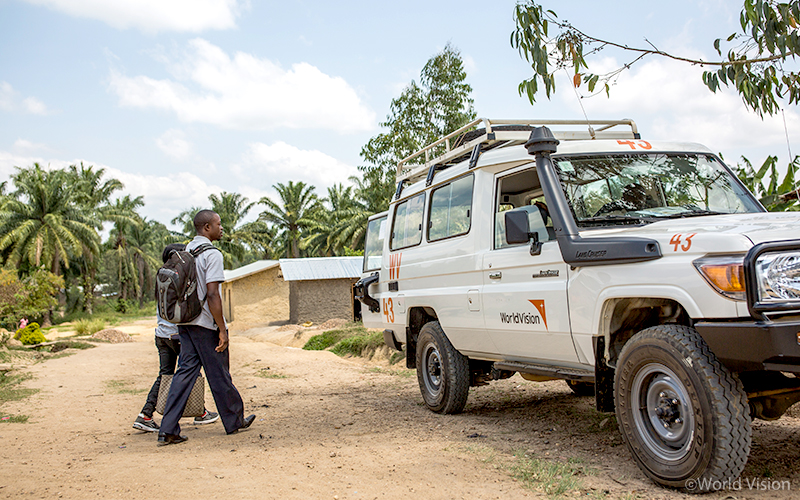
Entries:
{"x":460,"y":144}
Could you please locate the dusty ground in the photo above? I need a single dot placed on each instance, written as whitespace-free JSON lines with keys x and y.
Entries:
{"x":326,"y":428}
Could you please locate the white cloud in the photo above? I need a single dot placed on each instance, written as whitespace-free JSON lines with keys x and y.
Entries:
{"x":174,"y":144}
{"x":245,"y":92}
{"x":10,"y":101}
{"x":153,"y":16}
{"x":26,"y":145}
{"x":668,"y":101}
{"x":34,"y":106}
{"x":265,"y":165}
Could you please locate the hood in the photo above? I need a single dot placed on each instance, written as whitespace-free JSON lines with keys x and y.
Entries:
{"x":715,"y":233}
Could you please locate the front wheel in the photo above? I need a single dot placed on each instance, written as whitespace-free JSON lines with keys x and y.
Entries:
{"x":442,"y":371}
{"x":683,"y":415}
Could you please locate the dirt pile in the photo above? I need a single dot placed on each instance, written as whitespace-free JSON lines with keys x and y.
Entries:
{"x":113,"y":336}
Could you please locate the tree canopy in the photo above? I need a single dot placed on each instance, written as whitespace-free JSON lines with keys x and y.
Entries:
{"x":755,"y":61}
{"x":424,"y":112}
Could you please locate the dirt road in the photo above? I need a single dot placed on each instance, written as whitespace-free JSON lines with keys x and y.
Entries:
{"x":329,"y":428}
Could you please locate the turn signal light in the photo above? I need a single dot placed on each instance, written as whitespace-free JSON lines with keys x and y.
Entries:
{"x":725,"y":274}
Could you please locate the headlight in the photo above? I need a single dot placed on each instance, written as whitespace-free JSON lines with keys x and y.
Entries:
{"x":778,"y":276}
{"x":724,"y":273}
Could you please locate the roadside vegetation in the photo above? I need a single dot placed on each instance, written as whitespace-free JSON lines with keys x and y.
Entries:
{"x":10,"y":390}
{"x":352,"y":339}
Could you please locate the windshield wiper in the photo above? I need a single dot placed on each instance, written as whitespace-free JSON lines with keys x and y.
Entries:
{"x":691,"y":212}
{"x":617,"y":219}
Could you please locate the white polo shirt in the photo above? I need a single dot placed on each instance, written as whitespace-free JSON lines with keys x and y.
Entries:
{"x":209,"y":269}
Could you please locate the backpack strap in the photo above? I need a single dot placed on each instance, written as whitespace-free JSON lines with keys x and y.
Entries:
{"x":202,"y":248}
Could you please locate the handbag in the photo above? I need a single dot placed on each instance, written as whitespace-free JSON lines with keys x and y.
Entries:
{"x":195,"y":406}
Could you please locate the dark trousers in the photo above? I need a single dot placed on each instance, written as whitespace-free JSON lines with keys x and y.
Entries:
{"x":198,"y":350}
{"x":168,"y":351}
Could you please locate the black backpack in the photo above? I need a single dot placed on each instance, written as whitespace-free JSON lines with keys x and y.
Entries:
{"x":176,"y":286}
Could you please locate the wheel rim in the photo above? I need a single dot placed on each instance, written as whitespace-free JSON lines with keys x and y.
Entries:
{"x":432,"y":373}
{"x":662,"y":412}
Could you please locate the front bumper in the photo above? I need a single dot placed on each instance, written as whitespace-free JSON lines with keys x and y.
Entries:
{"x":754,"y":345}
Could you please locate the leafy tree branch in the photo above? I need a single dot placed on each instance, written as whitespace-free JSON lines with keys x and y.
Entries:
{"x":757,"y":64}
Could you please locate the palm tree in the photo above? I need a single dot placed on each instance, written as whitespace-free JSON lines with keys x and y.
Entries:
{"x":373,"y":194}
{"x":291,"y":216}
{"x":41,"y":222}
{"x":232,"y":208}
{"x":126,"y":270}
{"x":322,"y":228}
{"x":240,"y":243}
{"x":93,"y":195}
{"x":186,"y":220}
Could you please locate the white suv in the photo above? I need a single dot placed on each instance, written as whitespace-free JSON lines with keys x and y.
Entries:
{"x":643,"y":272}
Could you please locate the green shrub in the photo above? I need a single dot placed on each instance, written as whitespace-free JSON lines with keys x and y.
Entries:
{"x":89,"y":326}
{"x":30,"y":335}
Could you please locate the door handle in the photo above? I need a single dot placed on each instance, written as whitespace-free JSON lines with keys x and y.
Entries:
{"x":495,"y":276}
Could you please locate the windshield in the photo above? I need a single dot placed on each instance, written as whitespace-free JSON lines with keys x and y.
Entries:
{"x":639,"y":188}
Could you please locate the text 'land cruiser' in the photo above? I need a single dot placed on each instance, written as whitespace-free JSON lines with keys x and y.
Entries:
{"x":644,"y":272}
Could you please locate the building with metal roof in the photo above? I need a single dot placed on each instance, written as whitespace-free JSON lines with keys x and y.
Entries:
{"x":255,"y":294}
{"x":322,"y":288}
{"x":291,"y":291}
{"x":321,"y":268}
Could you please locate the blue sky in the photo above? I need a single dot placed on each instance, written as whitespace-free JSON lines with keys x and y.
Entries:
{"x":183,"y":98}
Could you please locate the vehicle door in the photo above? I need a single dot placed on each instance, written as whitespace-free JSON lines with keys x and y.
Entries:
{"x":525,"y":296}
{"x":373,"y":254}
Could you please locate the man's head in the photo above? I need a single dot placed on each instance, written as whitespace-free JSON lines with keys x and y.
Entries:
{"x":208,"y":224}
{"x":172,"y":247}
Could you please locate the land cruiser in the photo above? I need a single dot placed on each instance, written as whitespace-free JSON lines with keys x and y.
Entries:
{"x":642,"y":272}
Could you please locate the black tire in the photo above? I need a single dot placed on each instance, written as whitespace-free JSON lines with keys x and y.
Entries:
{"x":581,"y":388}
{"x":442,"y":371}
{"x":683,"y":415}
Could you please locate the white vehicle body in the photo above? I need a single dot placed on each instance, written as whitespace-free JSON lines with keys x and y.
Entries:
{"x":562,"y":315}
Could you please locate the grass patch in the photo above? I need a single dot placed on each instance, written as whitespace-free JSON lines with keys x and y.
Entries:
{"x":397,"y":373}
{"x":9,"y":390}
{"x":267,"y":373}
{"x":550,"y":477}
{"x":352,"y":339}
{"x":358,"y":344}
{"x":326,"y":339}
{"x":88,"y":326}
{"x":13,"y":419}
{"x":105,"y":311}
{"x":123,"y":387}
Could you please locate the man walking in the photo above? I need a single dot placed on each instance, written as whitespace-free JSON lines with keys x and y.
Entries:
{"x":204,"y":343}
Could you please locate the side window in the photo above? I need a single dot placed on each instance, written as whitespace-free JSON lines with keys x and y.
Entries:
{"x":373,"y":246}
{"x":451,"y":207}
{"x":407,"y":224}
{"x":521,"y":191}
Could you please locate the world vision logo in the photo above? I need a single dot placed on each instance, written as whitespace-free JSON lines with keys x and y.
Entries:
{"x":539,"y":305}
{"x":394,"y":265}
{"x":526,"y":318}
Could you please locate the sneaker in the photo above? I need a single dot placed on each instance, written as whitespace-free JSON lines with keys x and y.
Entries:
{"x":206,"y":418}
{"x":144,"y":423}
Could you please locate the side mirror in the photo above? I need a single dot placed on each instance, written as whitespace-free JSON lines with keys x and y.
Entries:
{"x":518,"y":231}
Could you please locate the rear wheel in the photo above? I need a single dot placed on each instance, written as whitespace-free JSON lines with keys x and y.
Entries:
{"x":442,"y":371}
{"x":682,"y":414}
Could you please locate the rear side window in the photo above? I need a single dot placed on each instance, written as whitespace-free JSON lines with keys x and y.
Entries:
{"x":373,"y":246}
{"x":407,"y":223}
{"x":451,"y":207}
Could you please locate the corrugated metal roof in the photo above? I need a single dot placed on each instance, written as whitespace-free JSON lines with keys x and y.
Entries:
{"x":321,"y":268}
{"x":255,"y":267}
